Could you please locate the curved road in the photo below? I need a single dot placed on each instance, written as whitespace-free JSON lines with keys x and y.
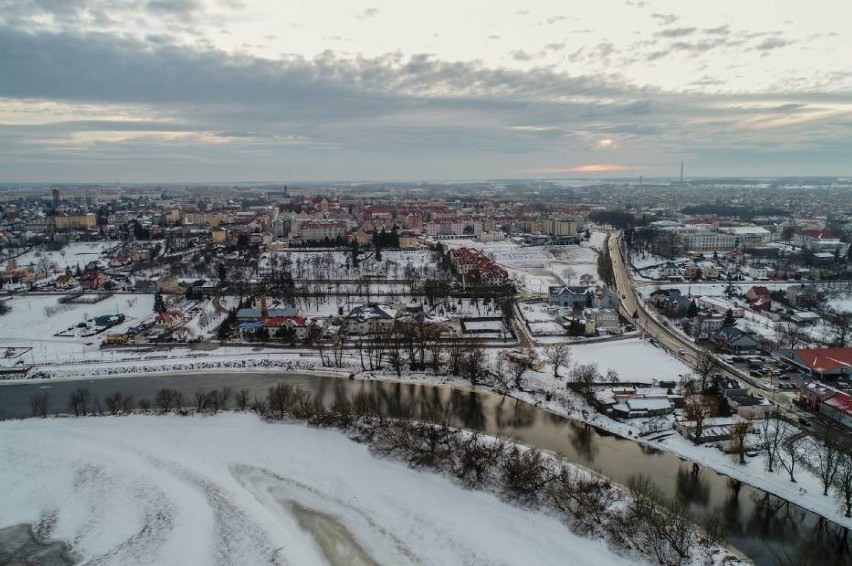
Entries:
{"x":631,"y":304}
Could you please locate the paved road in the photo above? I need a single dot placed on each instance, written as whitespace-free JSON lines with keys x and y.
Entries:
{"x":676,"y":344}
{"x":633,"y":308}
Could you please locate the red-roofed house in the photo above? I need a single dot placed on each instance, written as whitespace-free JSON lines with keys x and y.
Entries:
{"x":278,"y":326}
{"x":839,"y":408}
{"x":823,"y":362}
{"x":757,"y":292}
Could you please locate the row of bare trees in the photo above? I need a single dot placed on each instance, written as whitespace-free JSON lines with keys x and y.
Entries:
{"x":81,"y":403}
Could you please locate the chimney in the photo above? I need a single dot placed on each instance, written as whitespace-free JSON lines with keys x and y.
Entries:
{"x":264,"y":311}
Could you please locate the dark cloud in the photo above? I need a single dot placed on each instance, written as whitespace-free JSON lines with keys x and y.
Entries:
{"x":773,"y":43}
{"x":676,"y":32}
{"x":344,"y":116}
{"x":721,"y":30}
{"x":181,"y":8}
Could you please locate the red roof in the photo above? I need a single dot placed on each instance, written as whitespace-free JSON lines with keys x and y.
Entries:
{"x":760,"y":291}
{"x":825,"y":360}
{"x":278,"y":321}
{"x":841,"y":402}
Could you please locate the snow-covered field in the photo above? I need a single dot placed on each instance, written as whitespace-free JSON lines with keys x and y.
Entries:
{"x":536,"y":268}
{"x":841,"y":304}
{"x":72,"y":255}
{"x":232,"y":489}
{"x":29,"y":324}
{"x":635,"y":360}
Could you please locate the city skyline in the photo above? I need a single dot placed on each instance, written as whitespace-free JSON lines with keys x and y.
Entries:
{"x":192,"y":91}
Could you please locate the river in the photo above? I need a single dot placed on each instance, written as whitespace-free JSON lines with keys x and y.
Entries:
{"x":758,"y":524}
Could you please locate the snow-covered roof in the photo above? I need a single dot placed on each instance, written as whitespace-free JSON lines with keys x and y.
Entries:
{"x":648,"y":404}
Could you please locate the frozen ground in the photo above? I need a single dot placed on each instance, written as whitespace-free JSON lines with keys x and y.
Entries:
{"x":841,"y":304}
{"x":72,"y":255}
{"x":35,"y":319}
{"x":231,"y":489}
{"x":635,"y":361}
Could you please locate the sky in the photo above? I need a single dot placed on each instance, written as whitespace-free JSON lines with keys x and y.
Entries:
{"x":283,"y":90}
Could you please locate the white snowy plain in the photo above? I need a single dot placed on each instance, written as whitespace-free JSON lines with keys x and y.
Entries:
{"x":232,"y":489}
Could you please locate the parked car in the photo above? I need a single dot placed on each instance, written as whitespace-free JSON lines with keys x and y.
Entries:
{"x":804,"y":422}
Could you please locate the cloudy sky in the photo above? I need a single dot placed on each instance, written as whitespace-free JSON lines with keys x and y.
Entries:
{"x":278,"y":90}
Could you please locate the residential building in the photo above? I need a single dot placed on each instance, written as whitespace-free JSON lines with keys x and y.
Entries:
{"x":370,"y":318}
{"x":732,"y":339}
{"x":86,"y":221}
{"x":574,"y":297}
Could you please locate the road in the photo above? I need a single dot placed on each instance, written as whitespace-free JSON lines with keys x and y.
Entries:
{"x":633,"y":308}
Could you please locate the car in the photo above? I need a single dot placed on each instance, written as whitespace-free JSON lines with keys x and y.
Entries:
{"x":804,"y":422}
{"x":681,"y":352}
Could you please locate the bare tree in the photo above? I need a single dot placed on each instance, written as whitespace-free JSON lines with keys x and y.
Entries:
{"x":518,"y":365}
{"x":168,"y":399}
{"x":78,"y":401}
{"x":843,"y":482}
{"x":558,"y":355}
{"x":200,"y":400}
{"x":705,"y":366}
{"x":827,"y":459}
{"x":475,"y":362}
{"x":840,"y":322}
{"x":456,"y":350}
{"x":217,"y":399}
{"x":585,"y":376}
{"x":791,"y":453}
{"x":279,"y":399}
{"x":698,"y":408}
{"x":242,"y":399}
{"x":115,"y":404}
{"x":665,"y":529}
{"x":38,"y":404}
{"x":739,"y":431}
{"x":771,"y":434}
{"x":789,"y":335}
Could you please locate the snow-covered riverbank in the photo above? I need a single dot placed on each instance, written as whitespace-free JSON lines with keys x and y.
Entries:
{"x":233,"y":489}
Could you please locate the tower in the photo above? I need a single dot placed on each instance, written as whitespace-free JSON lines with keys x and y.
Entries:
{"x":681,"y":172}
{"x":56,"y":198}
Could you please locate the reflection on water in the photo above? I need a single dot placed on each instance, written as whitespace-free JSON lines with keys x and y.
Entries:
{"x":583,"y":441}
{"x":758,"y":524}
{"x":692,"y":487}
